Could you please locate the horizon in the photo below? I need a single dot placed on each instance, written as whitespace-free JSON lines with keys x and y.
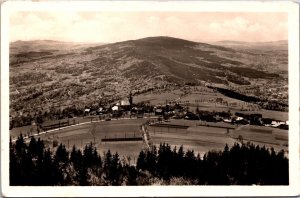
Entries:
{"x":91,"y":42}
{"x":111,"y":27}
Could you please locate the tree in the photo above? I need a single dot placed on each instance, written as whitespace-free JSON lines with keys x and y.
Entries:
{"x":130,"y":99}
{"x":48,"y":173}
{"x":141,"y":161}
{"x":61,"y":155}
{"x":151,"y":159}
{"x":112,"y":168}
{"x":20,"y":145}
{"x":76,"y":158}
{"x":88,"y":156}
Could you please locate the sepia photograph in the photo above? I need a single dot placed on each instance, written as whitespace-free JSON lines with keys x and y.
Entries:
{"x":169,"y":97}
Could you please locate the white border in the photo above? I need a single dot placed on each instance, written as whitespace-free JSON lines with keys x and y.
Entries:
{"x":293,"y":21}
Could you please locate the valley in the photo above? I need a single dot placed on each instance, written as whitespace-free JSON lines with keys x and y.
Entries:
{"x":133,"y":97}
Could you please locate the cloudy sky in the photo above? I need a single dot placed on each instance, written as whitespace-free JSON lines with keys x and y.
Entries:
{"x":110,"y":27}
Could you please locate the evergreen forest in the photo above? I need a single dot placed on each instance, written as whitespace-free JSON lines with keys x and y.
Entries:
{"x":32,"y":164}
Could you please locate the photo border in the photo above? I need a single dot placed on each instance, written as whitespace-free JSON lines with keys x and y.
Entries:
{"x":291,"y":8}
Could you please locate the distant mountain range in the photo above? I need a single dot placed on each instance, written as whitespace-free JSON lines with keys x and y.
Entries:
{"x":274,"y":45}
{"x":44,"y":45}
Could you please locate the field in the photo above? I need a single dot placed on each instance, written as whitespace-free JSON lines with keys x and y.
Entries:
{"x":199,"y":136}
{"x":214,"y":136}
{"x":86,"y":133}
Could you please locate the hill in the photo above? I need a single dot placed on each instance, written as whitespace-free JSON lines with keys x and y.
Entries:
{"x":51,"y":72}
{"x":176,"y":60}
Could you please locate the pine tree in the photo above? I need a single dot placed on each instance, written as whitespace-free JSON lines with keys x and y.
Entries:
{"x":32,"y":147}
{"x":61,"y":155}
{"x":88,"y":156}
{"x":20,"y":145}
{"x":13,"y":165}
{"x":141,"y":161}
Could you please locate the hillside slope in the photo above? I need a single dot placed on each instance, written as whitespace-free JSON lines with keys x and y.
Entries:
{"x":51,"y":72}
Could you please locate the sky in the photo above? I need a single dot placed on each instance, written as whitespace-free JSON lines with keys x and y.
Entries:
{"x":109,"y":27}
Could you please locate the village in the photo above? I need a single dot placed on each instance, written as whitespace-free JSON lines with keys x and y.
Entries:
{"x":174,"y":110}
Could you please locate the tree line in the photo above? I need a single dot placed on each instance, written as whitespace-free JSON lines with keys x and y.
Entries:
{"x":32,"y":164}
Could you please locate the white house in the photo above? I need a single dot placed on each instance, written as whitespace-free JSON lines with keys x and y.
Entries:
{"x":276,"y":123}
{"x":115,"y":108}
{"x":125,"y":103}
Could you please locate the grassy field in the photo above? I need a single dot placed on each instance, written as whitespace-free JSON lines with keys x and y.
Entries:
{"x":81,"y":135}
{"x":199,"y":136}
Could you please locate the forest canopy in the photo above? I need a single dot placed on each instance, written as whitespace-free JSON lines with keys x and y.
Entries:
{"x":33,"y":164}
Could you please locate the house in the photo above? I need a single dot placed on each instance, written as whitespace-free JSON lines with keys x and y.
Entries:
{"x":100,"y":111}
{"x":125,"y":105}
{"x":227,"y":120}
{"x":115,"y":108}
{"x":87,"y":111}
{"x":287,"y":122}
{"x":237,"y":118}
{"x":241,"y":122}
{"x":277,"y":123}
{"x":158,"y":110}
